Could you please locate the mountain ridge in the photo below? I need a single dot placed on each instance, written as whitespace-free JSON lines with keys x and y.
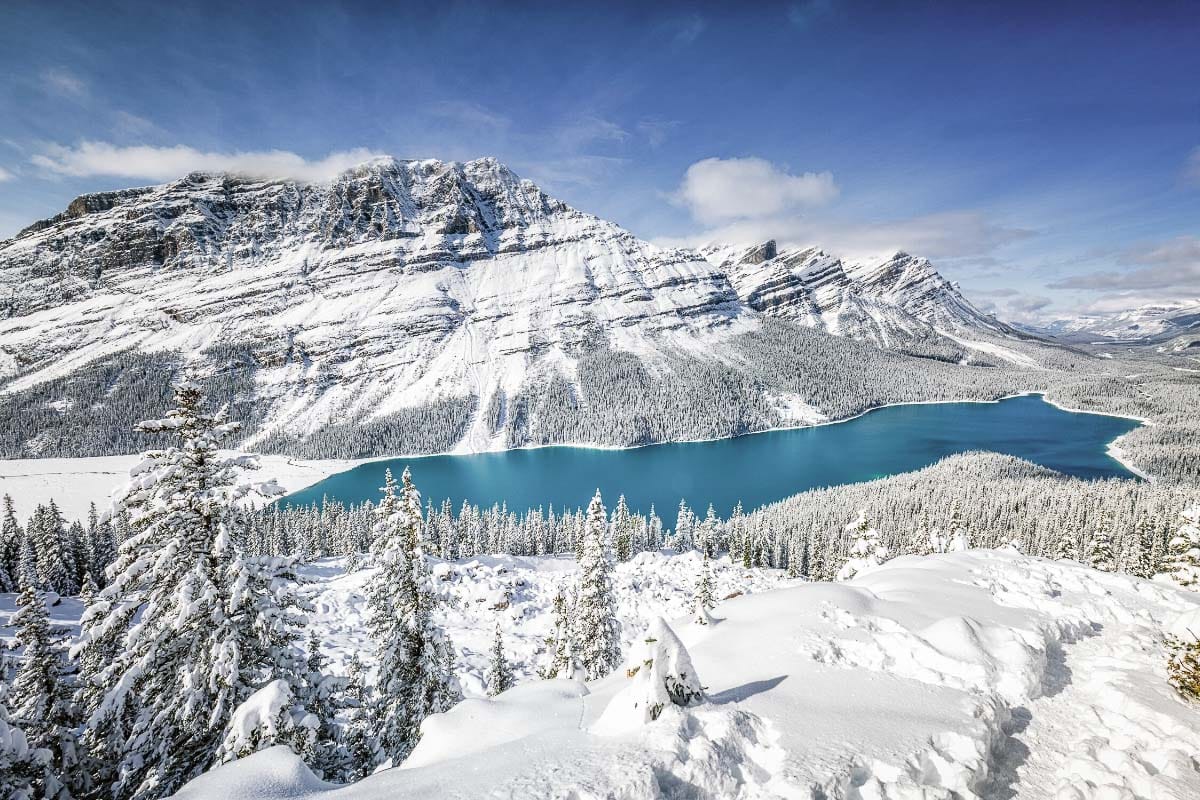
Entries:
{"x":400,"y":284}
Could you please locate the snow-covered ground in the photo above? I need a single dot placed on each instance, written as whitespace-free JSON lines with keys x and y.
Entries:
{"x":979,"y":674}
{"x":74,"y":483}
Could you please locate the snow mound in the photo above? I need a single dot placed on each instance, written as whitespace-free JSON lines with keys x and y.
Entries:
{"x":274,"y":772}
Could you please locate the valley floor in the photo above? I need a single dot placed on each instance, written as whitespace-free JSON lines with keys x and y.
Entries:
{"x":978,"y":674}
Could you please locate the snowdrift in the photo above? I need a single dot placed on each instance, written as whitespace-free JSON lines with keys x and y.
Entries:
{"x":978,"y":674}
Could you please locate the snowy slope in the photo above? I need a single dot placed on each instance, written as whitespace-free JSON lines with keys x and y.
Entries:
{"x":396,"y":284}
{"x":890,"y":303}
{"x":400,"y":284}
{"x":978,"y":674}
{"x":1144,"y":323}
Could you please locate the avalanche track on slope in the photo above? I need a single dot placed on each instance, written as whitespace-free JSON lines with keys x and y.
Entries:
{"x":972,"y":675}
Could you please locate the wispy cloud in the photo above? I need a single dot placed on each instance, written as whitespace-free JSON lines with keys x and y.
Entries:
{"x":60,"y":80}
{"x":167,"y":163}
{"x":470,"y":115}
{"x":805,"y":12}
{"x":579,"y":133}
{"x":1191,"y":168}
{"x":657,"y":131}
{"x":5,"y":175}
{"x":717,"y":190}
{"x":688,"y":30}
{"x":1172,"y":265}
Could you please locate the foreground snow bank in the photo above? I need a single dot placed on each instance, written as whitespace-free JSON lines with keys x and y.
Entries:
{"x":978,"y":674}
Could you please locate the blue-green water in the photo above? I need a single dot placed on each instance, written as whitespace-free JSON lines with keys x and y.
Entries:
{"x":755,"y":469}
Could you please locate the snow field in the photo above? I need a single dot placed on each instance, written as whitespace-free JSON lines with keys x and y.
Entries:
{"x":981,"y":674}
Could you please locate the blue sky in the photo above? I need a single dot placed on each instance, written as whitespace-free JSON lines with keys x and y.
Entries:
{"x":1048,"y":159}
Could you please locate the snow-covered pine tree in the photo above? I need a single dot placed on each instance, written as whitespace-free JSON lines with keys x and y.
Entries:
{"x":597,"y":631}
{"x":321,"y":695}
{"x":500,"y":676}
{"x":703,"y":601}
{"x":45,"y":532}
{"x":622,"y":526}
{"x":709,"y":533}
{"x":187,"y":628}
{"x":682,"y":540}
{"x":663,"y":676}
{"x":1066,"y":547}
{"x":42,"y":703}
{"x":562,"y":659}
{"x":414,"y":654}
{"x":359,"y":738}
{"x":27,"y":575}
{"x":1100,"y":548}
{"x":1183,"y":655}
{"x":21,"y":766}
{"x":920,"y":543}
{"x":1183,"y":550}
{"x":10,"y":548}
{"x":866,"y":551}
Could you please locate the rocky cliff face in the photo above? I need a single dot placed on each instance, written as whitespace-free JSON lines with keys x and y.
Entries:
{"x":890,"y":303}
{"x":403,"y":283}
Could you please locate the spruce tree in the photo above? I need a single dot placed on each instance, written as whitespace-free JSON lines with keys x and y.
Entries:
{"x":10,"y":548}
{"x":415,"y":678}
{"x":562,"y":654}
{"x":1100,"y":548}
{"x":703,"y":602}
{"x":188,"y":628}
{"x":1183,"y":551}
{"x":598,"y":630}
{"x":360,"y":741}
{"x":42,"y":702}
{"x":22,"y":767}
{"x":866,"y":551}
{"x":499,"y":675}
{"x":622,"y":526}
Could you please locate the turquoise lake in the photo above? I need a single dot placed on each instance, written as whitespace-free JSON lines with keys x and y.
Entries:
{"x":755,"y":469}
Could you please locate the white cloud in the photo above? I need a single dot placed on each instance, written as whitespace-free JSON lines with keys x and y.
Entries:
{"x":718,"y":190}
{"x":1172,"y":267}
{"x":1191,"y":169}
{"x":5,"y":175}
{"x":952,"y":234}
{"x":62,"y":81}
{"x":167,"y":163}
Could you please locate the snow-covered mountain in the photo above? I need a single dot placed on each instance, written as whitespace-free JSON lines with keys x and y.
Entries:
{"x":1144,"y":323}
{"x":404,"y":283}
{"x":888,"y":303}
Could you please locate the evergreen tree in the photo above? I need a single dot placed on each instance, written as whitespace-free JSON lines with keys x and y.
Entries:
{"x":361,"y":745}
{"x":415,"y":679}
{"x":27,"y":574}
{"x":22,"y":767}
{"x":1066,"y":547}
{"x":866,"y":551}
{"x":42,"y":702}
{"x":10,"y":548}
{"x":500,"y":676}
{"x":46,"y":534}
{"x":1183,"y":551}
{"x":1100,"y":548}
{"x":704,"y":602}
{"x":322,"y":695}
{"x":188,"y":628}
{"x":598,"y":631}
{"x":622,"y":526}
{"x":563,"y":661}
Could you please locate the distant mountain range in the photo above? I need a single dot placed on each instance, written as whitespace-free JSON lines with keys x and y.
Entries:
{"x":1149,"y":323}
{"x":401,"y":283}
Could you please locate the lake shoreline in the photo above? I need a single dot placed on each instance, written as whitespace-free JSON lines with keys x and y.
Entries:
{"x":353,"y":463}
{"x":1027,"y":429}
